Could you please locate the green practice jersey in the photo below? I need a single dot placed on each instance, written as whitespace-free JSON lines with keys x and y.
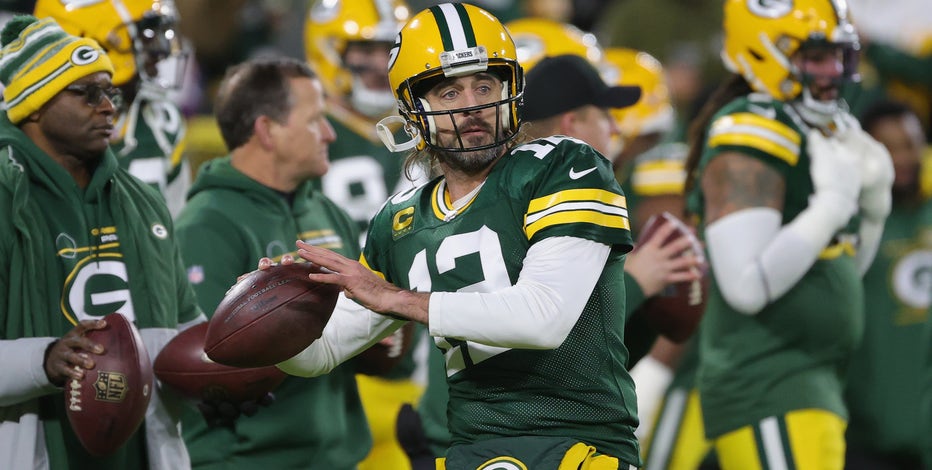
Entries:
{"x":551,"y":187}
{"x":792,"y":354}
{"x":151,"y":146}
{"x":883,"y":393}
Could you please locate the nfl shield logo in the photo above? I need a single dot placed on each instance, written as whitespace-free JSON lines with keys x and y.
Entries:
{"x":196,"y":274}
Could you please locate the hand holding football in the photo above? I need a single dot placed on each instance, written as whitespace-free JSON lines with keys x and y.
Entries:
{"x":108,"y":405}
{"x":269,"y":316}
{"x":676,"y":310}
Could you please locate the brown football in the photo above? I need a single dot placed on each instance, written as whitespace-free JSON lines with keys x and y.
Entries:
{"x":107,"y":406}
{"x":183,"y":365}
{"x":676,"y":311}
{"x":269,"y":316}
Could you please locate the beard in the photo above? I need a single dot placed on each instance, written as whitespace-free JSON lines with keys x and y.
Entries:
{"x":470,"y":161}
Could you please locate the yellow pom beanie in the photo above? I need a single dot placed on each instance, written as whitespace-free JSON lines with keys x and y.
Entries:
{"x":39,"y":59}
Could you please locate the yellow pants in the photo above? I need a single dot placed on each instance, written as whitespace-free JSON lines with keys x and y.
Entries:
{"x":381,"y":400}
{"x":677,"y":441}
{"x":802,"y":440}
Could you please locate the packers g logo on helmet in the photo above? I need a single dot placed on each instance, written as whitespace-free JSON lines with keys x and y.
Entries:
{"x":771,"y":8}
{"x":452,"y":40}
{"x":761,"y":36}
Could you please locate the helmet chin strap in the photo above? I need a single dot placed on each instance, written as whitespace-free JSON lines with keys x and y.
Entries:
{"x":372,"y":103}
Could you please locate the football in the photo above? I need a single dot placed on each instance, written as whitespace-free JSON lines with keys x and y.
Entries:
{"x":269,"y":316}
{"x":107,"y":406}
{"x":184,"y":366}
{"x":383,"y":356}
{"x":676,"y":311}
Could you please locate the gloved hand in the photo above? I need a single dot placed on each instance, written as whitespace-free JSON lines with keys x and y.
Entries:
{"x":224,"y":413}
{"x":877,"y":171}
{"x":836,"y":176}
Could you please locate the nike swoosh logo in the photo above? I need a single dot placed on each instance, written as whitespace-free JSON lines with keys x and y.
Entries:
{"x":575,"y":175}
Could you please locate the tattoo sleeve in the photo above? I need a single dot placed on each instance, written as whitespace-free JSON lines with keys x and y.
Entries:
{"x":734,"y":181}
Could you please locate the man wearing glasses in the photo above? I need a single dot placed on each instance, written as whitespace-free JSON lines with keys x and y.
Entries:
{"x":80,"y":238}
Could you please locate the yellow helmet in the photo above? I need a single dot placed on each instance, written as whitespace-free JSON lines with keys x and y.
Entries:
{"x":761,"y":36}
{"x":653,"y":112}
{"x":536,"y":38}
{"x":332,"y":24}
{"x":138,"y":35}
{"x":453,"y":40}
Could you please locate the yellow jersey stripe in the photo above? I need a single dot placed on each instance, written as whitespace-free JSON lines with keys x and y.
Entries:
{"x":759,"y":132}
{"x":577,"y":216}
{"x":656,"y":178}
{"x":754,"y":120}
{"x":790,"y":156}
{"x":576,"y":195}
{"x":364,"y":262}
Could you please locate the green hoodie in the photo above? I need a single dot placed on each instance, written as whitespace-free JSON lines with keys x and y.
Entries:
{"x":75,"y":254}
{"x":229,"y":222}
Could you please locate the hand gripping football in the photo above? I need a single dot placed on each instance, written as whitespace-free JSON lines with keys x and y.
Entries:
{"x":675,"y":312}
{"x":269,"y":316}
{"x":183,"y":365}
{"x":107,"y":406}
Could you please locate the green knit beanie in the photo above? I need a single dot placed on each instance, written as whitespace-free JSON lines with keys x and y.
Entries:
{"x":39,"y":59}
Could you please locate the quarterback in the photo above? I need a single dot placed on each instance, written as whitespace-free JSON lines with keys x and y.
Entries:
{"x":512,"y":257}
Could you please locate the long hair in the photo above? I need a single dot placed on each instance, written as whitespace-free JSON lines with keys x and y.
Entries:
{"x":733,"y":87}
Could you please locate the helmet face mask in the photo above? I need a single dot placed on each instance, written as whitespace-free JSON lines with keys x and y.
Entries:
{"x":764,"y":41}
{"x":159,"y":52}
{"x":449,"y":41}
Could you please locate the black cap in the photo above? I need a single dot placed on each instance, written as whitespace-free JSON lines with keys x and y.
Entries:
{"x":565,"y":82}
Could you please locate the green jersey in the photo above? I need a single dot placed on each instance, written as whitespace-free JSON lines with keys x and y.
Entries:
{"x":150,"y":146}
{"x":793,"y":353}
{"x":231,"y":221}
{"x":551,"y":187}
{"x":883,"y":393}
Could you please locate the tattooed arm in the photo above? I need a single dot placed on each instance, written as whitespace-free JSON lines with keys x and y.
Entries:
{"x":755,"y":259}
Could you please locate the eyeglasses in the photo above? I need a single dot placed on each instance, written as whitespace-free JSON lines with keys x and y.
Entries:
{"x":94,"y":94}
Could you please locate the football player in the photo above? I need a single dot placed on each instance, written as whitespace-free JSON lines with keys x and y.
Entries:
{"x":512,"y":257}
{"x":141,"y":39}
{"x":792,"y":196}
